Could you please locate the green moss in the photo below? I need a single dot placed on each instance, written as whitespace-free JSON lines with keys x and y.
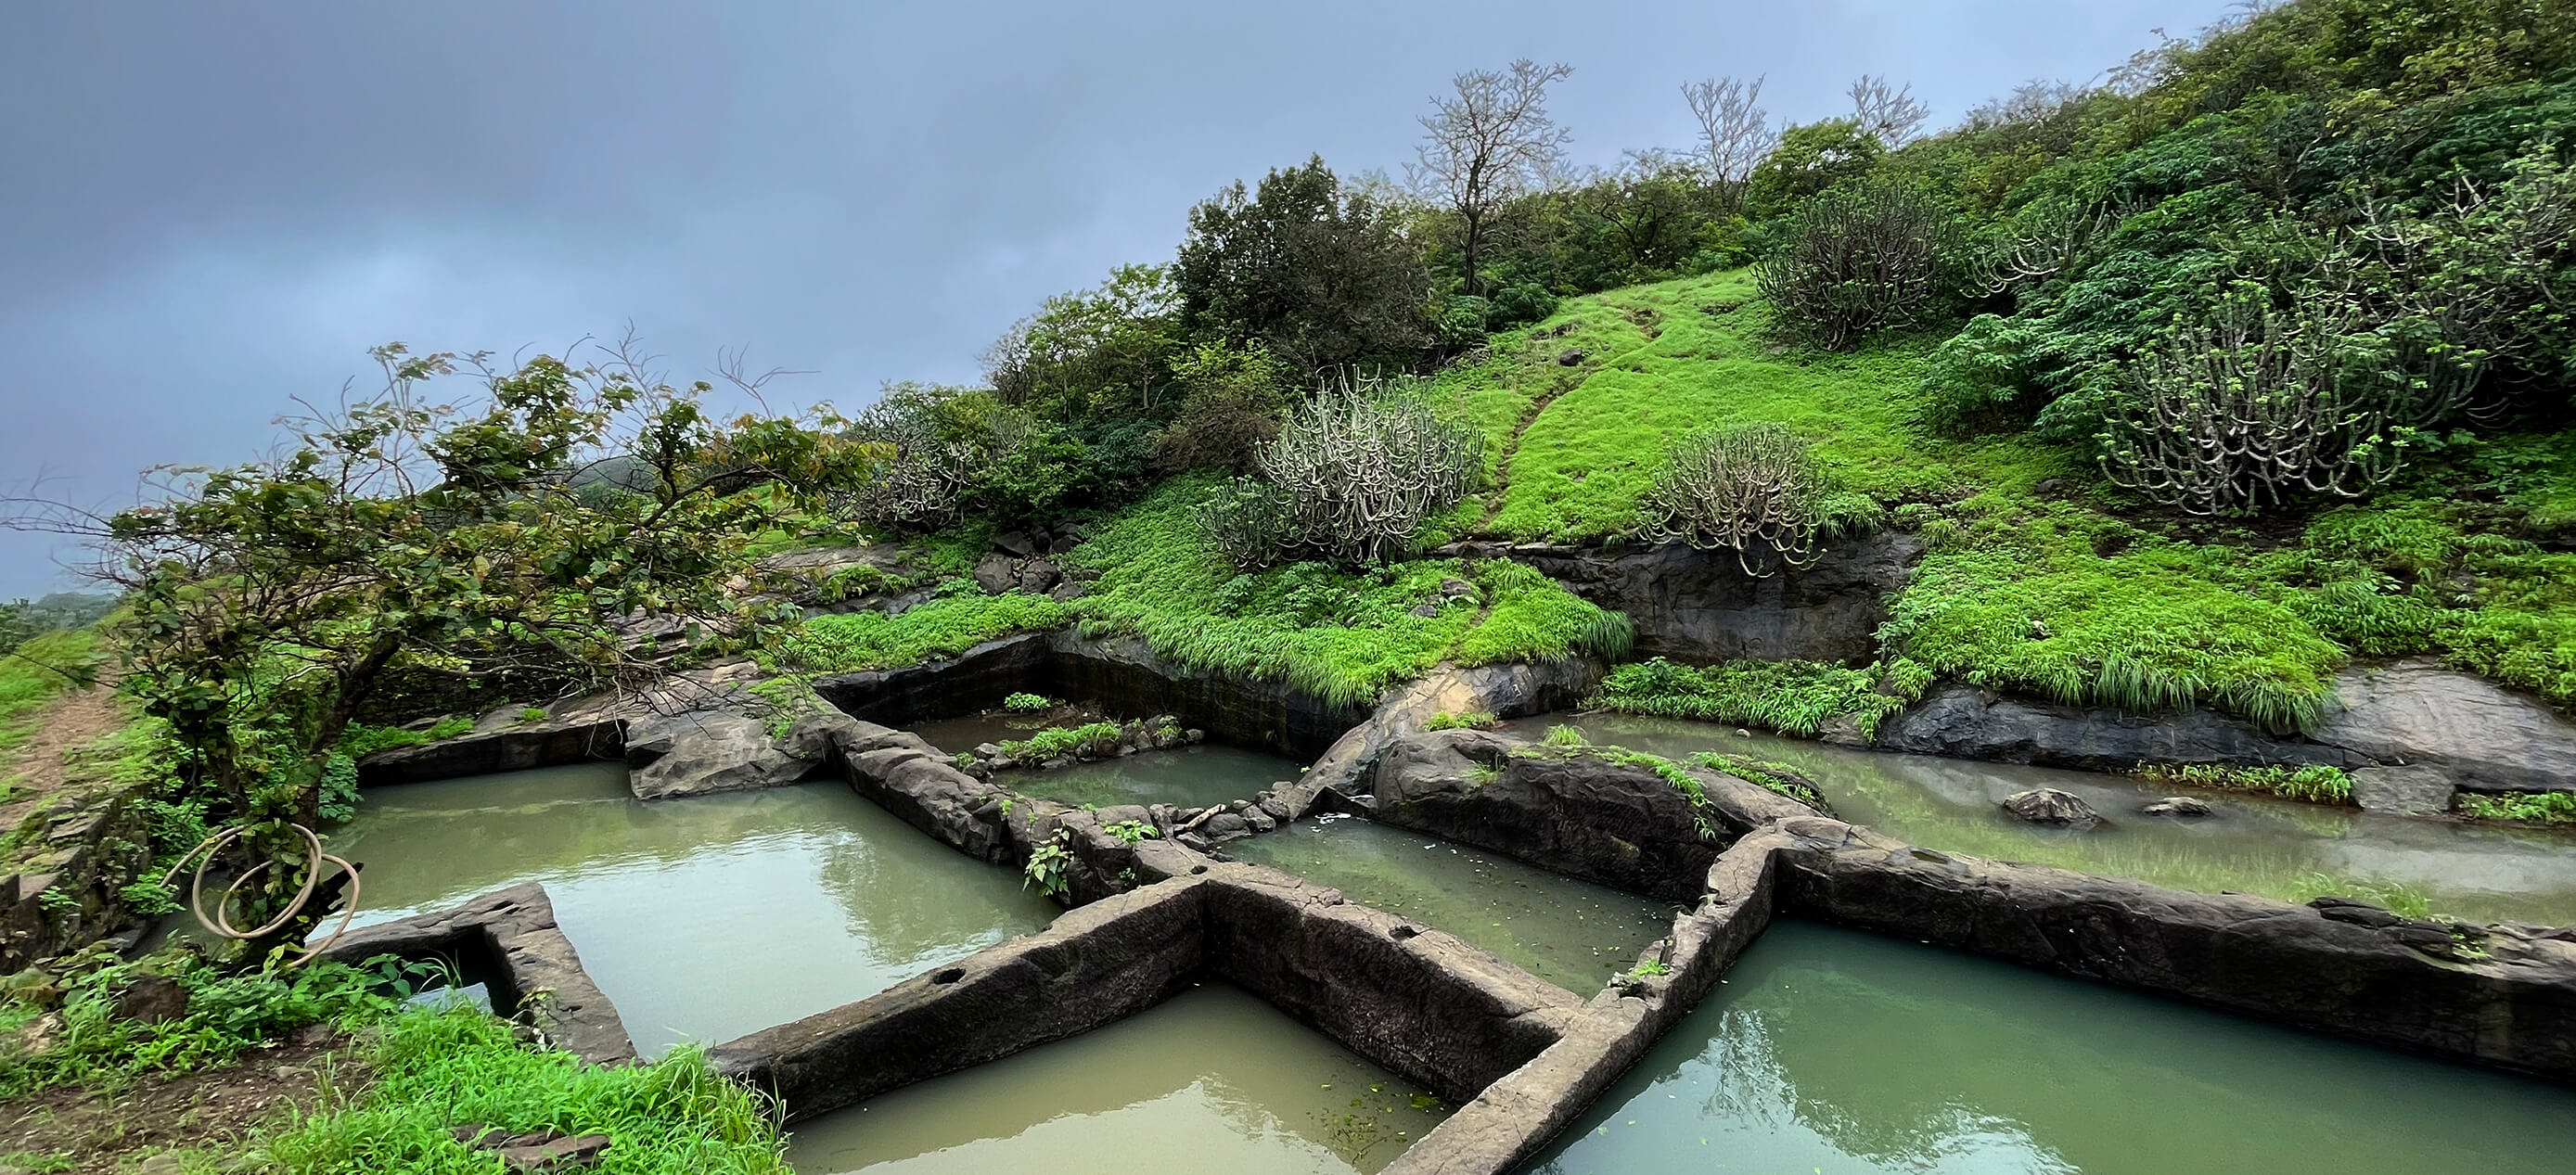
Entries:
{"x":1792,"y":697}
{"x":940,"y":628}
{"x":361,"y":740}
{"x":1343,"y":635}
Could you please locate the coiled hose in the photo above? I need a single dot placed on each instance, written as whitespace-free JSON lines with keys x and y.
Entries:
{"x":215,"y":921}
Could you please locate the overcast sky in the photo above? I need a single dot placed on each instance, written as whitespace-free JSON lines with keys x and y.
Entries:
{"x":207,"y":209}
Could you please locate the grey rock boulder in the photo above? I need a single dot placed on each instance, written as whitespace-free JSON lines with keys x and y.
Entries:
{"x":707,"y":753}
{"x":2177,"y":806}
{"x":2485,"y":735}
{"x":2406,"y":791}
{"x":2047,"y":805}
{"x":994,"y":573}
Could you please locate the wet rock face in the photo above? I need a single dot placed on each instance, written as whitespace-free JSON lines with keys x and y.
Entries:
{"x":2478,"y":733}
{"x":2407,"y":791}
{"x":1622,"y":826}
{"x":1700,"y":606}
{"x":1968,"y":723}
{"x":705,"y":754}
{"x":2047,"y":805}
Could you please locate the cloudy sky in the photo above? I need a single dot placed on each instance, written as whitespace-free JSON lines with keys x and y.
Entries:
{"x":207,"y":209}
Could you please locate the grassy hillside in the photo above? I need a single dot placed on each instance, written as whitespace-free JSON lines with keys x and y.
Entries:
{"x":2085,"y":595}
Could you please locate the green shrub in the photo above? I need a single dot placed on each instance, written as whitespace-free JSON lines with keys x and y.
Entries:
{"x":1027,"y":703}
{"x":1776,"y":778}
{"x":362,"y":740}
{"x":2549,"y":807}
{"x":2314,"y":783}
{"x":1565,"y":735}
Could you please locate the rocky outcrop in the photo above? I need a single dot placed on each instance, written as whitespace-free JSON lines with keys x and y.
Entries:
{"x":1126,"y":676}
{"x":2047,"y":805}
{"x":66,"y":881}
{"x":668,"y":757}
{"x":1574,"y":811}
{"x":2404,"y":791}
{"x":977,"y":679}
{"x":1700,"y":606}
{"x":508,"y":940}
{"x":2482,"y":736}
{"x":2467,"y":732}
{"x":1964,"y":722}
{"x":1504,"y":691}
{"x":587,"y":736}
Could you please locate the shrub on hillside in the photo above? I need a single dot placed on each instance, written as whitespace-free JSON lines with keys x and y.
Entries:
{"x":1861,"y":258}
{"x":1351,"y":478}
{"x":2251,"y":407}
{"x":1751,"y":489}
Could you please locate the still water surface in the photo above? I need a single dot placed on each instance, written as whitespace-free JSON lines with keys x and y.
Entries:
{"x":1833,"y":1051}
{"x":1212,"y":1080}
{"x":702,"y":919}
{"x":1571,"y":933}
{"x":1194,"y":776}
{"x":2253,"y":843}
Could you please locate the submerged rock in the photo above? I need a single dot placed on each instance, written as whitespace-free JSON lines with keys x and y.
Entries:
{"x":2409,"y":791}
{"x":2177,"y":806}
{"x":2047,"y":805}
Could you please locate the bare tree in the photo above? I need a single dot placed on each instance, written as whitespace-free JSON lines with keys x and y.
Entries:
{"x":1489,"y":142}
{"x":1892,"y":113}
{"x":1735,"y":132}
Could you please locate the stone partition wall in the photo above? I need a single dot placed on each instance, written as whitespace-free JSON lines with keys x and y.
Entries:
{"x":508,"y":940}
{"x":1095,"y":965}
{"x":1416,"y":1001}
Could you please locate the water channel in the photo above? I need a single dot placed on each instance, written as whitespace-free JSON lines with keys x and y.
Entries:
{"x":2252,"y":843}
{"x":705,"y":918}
{"x":1571,"y":933}
{"x":1210,"y":1080}
{"x":1836,"y":1052}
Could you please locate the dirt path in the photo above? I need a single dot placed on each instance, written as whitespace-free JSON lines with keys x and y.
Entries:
{"x":41,"y":765}
{"x":102,"y":1132}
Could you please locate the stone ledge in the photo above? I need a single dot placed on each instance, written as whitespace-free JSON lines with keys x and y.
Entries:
{"x":509,"y":938}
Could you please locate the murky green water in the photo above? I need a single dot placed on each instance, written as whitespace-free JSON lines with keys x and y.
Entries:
{"x":1213,"y":1080}
{"x":2252,"y":843}
{"x":1571,"y":933}
{"x":1831,"y":1051}
{"x":703,"y":919}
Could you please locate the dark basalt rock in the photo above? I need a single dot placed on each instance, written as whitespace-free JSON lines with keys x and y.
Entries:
{"x":2047,"y":805}
{"x":1700,"y":606}
{"x":2481,"y":735}
{"x":724,"y":751}
{"x":1967,"y":723}
{"x":508,"y":938}
{"x":977,"y":679}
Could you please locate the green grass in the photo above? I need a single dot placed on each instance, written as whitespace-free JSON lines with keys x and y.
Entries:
{"x":1460,"y":720}
{"x":2316,"y":784}
{"x":2549,"y":807}
{"x":939,"y":628}
{"x":437,"y":1069}
{"x":1792,"y":697}
{"x":1776,"y":778}
{"x":1339,"y":634}
{"x":362,"y":740}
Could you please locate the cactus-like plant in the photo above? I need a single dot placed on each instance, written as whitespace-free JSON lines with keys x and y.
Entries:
{"x":1752,"y":489}
{"x":1351,"y":478}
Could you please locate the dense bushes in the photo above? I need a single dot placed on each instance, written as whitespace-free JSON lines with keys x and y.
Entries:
{"x":1861,"y":258}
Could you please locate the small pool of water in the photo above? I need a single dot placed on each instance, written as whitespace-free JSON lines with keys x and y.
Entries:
{"x":1835,"y":1052}
{"x":960,"y":735}
{"x":1212,"y":1080}
{"x":1571,"y":933}
{"x":702,"y":919}
{"x":2252,"y":843}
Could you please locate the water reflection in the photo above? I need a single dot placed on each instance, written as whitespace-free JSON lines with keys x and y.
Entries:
{"x":1571,"y":933}
{"x":1189,"y":777}
{"x":2251,"y":843}
{"x":702,"y":919}
{"x":1834,"y":1051}
{"x":1211,"y":1080}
